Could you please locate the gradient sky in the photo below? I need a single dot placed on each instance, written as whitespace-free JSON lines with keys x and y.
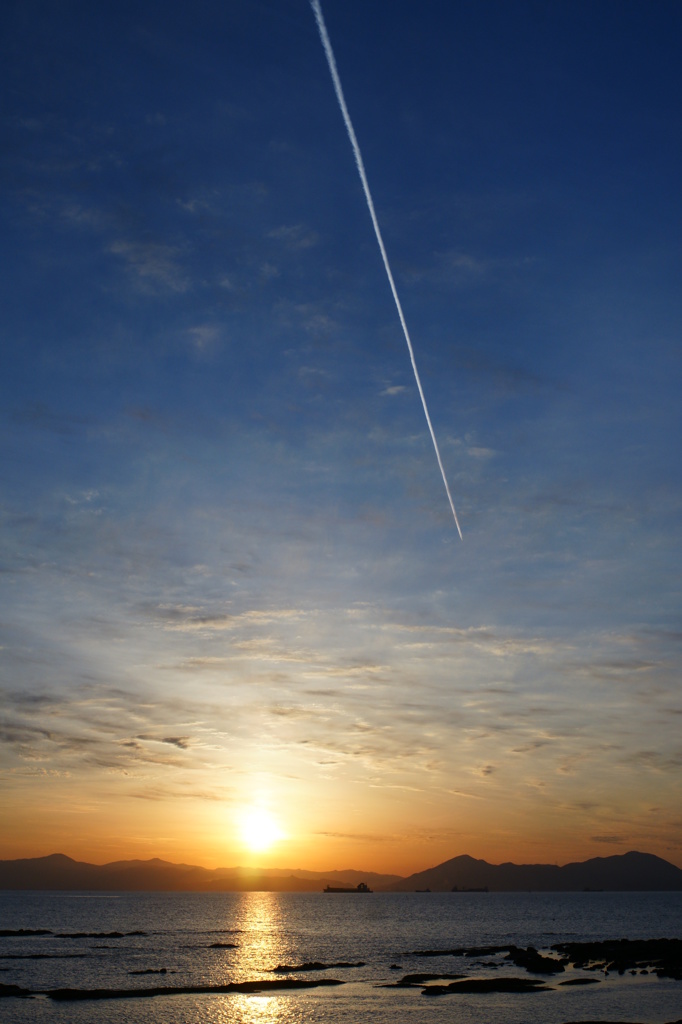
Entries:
{"x":230,"y":576}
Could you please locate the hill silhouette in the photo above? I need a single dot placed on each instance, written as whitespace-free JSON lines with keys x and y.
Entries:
{"x":625,"y":872}
{"x":59,"y":872}
{"x":621,"y":873}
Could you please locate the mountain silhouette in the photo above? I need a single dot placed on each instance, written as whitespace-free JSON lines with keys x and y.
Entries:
{"x":59,"y":872}
{"x":625,"y":872}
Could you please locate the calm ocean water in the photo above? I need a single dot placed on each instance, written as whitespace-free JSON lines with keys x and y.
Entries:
{"x":269,"y":929}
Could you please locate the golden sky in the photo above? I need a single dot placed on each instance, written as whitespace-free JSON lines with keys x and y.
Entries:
{"x":438,"y":741}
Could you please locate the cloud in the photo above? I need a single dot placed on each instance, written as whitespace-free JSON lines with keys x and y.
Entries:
{"x":268,"y":648}
{"x":205,"y":663}
{"x":41,"y":417}
{"x":505,"y":377}
{"x":359,"y":837}
{"x":293,"y":712}
{"x":182,"y":742}
{"x":154,"y":266}
{"x":481,"y":453}
{"x":19,"y":734}
{"x":314,"y":377}
{"x":160,"y":793}
{"x":527,"y":748}
{"x":485,"y":638}
{"x":608,"y":669}
{"x":352,"y":670}
{"x":195,"y":205}
{"x":295,"y":236}
{"x":87,"y":217}
{"x":464,"y":794}
{"x":204,"y":337}
{"x":458,"y":269}
{"x":190,"y":619}
{"x":657,"y":761}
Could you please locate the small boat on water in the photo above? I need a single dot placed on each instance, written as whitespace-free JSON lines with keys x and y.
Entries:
{"x":362,"y":887}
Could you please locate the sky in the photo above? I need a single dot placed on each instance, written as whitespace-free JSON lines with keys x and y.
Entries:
{"x":230,"y":579}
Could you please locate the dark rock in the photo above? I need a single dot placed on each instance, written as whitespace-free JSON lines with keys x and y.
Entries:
{"x":223,"y":945}
{"x":420,"y":979}
{"x":487,"y":985}
{"x":153,"y":970}
{"x":79,"y":994}
{"x":44,"y":956}
{"x":580,"y":981}
{"x":314,"y":965}
{"x":97,"y":935}
{"x":534,"y":961}
{"x":463,"y":951}
{"x":13,"y":932}
{"x":13,"y":990}
{"x":664,"y":956}
{"x":529,"y":958}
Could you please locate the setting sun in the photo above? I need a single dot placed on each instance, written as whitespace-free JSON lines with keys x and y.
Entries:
{"x":259,"y":830}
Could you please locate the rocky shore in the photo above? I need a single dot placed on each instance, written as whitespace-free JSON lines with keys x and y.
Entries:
{"x":594,"y":960}
{"x":662,"y":957}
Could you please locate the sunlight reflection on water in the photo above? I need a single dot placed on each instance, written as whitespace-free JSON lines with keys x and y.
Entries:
{"x":259,"y":918}
{"x":251,"y":1009}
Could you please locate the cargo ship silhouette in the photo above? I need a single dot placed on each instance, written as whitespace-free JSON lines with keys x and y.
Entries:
{"x":362,"y":887}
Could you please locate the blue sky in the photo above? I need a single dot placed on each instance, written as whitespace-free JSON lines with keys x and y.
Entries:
{"x":230,"y":576}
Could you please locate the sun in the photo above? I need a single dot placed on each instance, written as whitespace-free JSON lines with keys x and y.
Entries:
{"x":259,"y":830}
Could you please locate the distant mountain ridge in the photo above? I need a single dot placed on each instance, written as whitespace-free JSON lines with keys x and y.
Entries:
{"x":59,"y":872}
{"x":633,"y":871}
{"x":623,"y":872}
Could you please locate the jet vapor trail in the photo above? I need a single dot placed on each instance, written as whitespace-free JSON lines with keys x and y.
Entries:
{"x":377,"y":231}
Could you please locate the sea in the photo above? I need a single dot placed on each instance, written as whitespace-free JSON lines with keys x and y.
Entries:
{"x":183,"y":940}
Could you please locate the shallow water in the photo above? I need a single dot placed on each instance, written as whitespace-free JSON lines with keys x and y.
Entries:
{"x":270,"y":929}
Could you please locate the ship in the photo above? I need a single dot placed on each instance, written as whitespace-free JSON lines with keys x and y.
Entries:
{"x":362,"y":887}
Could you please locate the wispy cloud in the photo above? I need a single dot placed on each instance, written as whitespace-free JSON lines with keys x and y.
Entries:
{"x":294,"y":236}
{"x":182,"y":742}
{"x":154,"y":266}
{"x":459,"y":269}
{"x":205,"y":336}
{"x":42,"y":417}
{"x":188,"y":618}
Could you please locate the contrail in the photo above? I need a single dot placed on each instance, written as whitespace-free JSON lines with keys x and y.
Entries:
{"x":324,"y":36}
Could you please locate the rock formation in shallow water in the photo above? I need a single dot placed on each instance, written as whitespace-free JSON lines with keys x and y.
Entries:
{"x":486,"y":985}
{"x":534,"y":962}
{"x":247,"y":987}
{"x":661,"y":956}
{"x":313,"y":965}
